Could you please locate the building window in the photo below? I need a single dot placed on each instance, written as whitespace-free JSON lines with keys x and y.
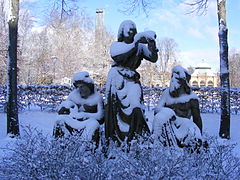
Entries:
{"x":210,"y":83}
{"x":194,"y":83}
{"x":202,"y":83}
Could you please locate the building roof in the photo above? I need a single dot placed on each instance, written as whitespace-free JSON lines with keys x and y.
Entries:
{"x":203,"y":68}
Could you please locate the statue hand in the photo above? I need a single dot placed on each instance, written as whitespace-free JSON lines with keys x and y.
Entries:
{"x":152,"y":45}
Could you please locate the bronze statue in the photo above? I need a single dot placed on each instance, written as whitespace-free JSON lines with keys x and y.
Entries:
{"x":124,"y":98}
{"x":82,"y":112}
{"x":178,"y":104}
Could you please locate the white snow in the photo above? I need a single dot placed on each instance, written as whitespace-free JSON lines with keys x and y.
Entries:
{"x":129,"y":94}
{"x":74,"y":98}
{"x":89,"y":125}
{"x":160,"y":119}
{"x":187,"y":128}
{"x":45,"y":121}
{"x":166,"y":99}
{"x":125,"y":26}
{"x":184,"y":129}
{"x":82,"y":76}
{"x":124,"y":127}
{"x":148,"y":35}
{"x":118,"y":48}
{"x":177,"y":72}
{"x":11,"y":9}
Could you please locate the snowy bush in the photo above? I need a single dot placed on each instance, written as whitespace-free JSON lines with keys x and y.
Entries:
{"x":35,"y":156}
{"x":48,"y":97}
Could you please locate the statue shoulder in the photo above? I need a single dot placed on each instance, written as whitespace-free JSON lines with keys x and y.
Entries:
{"x":74,"y":96}
{"x":118,"y":48}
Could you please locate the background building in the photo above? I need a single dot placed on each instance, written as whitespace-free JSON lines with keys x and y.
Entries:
{"x":203,"y":75}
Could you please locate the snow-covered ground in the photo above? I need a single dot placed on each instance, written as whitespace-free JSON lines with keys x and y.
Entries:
{"x":44,"y":121}
{"x":34,"y":157}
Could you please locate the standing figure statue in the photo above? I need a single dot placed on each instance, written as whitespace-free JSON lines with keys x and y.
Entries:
{"x":82,"y":112}
{"x":124,"y":98}
{"x":172,"y":124}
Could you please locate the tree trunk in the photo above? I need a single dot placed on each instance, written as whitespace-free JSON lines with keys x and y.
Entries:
{"x":12,"y":109}
{"x":224,"y":71}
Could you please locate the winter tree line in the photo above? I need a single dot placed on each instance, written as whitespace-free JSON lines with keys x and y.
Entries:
{"x":48,"y":97}
{"x":64,"y":46}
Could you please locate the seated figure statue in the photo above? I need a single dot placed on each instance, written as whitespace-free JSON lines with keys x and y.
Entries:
{"x":172,"y":123}
{"x":82,"y":112}
{"x":124,"y":98}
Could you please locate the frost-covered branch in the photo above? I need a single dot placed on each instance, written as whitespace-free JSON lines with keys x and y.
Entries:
{"x":198,"y":6}
{"x":130,"y":6}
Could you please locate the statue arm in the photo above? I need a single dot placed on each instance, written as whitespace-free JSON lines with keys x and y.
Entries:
{"x":65,"y":107}
{"x":122,"y":52}
{"x":161,"y":102}
{"x":196,"y":113}
{"x":150,"y":52}
{"x":89,"y":115}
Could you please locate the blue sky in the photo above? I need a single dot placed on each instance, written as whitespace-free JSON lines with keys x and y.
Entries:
{"x":195,"y":35}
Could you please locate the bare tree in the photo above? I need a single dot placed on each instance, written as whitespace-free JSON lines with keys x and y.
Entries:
{"x":159,"y":73}
{"x":12,"y":109}
{"x":3,"y":43}
{"x":234,"y":66}
{"x":224,"y":70}
{"x":200,"y":6}
{"x":62,"y":9}
{"x":24,"y":30}
{"x":149,"y":73}
{"x":130,"y":6}
{"x":72,"y":43}
{"x":167,"y":58}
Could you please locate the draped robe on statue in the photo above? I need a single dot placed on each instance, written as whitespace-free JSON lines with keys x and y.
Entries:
{"x":124,"y":116}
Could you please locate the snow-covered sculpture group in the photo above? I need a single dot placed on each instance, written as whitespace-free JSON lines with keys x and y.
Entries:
{"x":123,"y":114}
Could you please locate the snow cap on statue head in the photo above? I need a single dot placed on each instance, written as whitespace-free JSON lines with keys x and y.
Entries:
{"x":180,"y":72}
{"x":180,"y":78}
{"x":83,"y":78}
{"x":124,"y":28}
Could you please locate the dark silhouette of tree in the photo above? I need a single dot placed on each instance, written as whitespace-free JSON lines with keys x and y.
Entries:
{"x":200,"y":6}
{"x":224,"y":71}
{"x":12,"y":109}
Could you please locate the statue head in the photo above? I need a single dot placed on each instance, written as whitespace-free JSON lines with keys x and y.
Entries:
{"x":84,"y":83}
{"x":179,"y":83}
{"x":127,"y":31}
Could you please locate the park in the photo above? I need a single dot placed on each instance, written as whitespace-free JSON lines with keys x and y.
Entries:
{"x":111,"y":126}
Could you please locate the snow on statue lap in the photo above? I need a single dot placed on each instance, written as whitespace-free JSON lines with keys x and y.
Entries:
{"x":172,"y":124}
{"x":82,"y":112}
{"x":124,"y":98}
